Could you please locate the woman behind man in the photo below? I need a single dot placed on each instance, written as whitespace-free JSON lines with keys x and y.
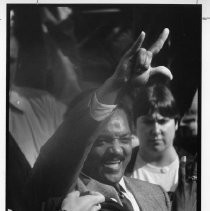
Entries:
{"x":156,"y":119}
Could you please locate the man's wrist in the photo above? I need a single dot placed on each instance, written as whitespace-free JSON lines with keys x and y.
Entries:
{"x":98,"y":110}
{"x":107,"y":93}
{"x":116,"y":83}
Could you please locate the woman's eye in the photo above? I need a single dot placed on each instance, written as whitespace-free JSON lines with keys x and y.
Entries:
{"x":163,"y":121}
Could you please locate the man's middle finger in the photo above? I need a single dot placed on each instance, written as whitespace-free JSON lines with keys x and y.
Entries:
{"x":158,"y":44}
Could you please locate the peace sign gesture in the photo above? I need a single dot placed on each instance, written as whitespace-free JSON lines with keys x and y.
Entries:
{"x":143,"y":70}
{"x":134,"y":66}
{"x":138,"y":60}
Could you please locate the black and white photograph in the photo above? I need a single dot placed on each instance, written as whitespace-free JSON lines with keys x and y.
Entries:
{"x":103,"y":107}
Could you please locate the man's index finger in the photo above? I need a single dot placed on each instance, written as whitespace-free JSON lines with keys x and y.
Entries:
{"x":137,"y":43}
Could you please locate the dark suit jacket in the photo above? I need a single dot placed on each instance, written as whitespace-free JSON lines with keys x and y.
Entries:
{"x":149,"y":197}
{"x":60,"y":162}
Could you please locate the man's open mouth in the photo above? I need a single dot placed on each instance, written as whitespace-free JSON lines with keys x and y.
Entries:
{"x":113,"y":164}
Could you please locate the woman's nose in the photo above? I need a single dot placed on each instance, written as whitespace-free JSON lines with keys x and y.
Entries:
{"x":156,"y":128}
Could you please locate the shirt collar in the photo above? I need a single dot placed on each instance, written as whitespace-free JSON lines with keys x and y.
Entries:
{"x":122,"y":184}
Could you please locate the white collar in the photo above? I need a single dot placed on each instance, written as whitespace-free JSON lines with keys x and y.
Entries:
{"x":122,"y":184}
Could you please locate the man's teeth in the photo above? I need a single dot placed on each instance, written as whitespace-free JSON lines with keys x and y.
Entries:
{"x":112,"y":164}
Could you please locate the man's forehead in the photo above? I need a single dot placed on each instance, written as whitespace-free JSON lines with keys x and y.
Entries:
{"x":118,"y":121}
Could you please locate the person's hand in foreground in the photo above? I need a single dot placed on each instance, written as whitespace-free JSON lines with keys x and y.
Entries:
{"x":89,"y":201}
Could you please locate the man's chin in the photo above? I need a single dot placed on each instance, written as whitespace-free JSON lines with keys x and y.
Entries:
{"x":112,"y":179}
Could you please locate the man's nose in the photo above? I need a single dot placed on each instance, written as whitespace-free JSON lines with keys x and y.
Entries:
{"x":115,"y":147}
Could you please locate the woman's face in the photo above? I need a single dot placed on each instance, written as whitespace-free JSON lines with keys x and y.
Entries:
{"x":156,"y":132}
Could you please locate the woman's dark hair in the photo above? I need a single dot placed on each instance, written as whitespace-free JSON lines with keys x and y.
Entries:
{"x":155,"y":98}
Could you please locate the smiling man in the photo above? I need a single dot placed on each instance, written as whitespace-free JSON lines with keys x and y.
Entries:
{"x":112,"y":150}
{"x":106,"y":163}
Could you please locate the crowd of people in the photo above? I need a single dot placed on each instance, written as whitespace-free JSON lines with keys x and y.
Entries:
{"x":77,"y":151}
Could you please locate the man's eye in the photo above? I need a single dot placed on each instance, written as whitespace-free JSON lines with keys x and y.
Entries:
{"x":126,"y":139}
{"x":100,"y":142}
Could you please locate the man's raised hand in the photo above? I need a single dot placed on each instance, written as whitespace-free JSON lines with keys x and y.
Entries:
{"x":143,"y":70}
{"x":134,"y":67}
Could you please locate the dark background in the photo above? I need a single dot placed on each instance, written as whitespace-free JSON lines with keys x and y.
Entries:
{"x":102,"y":33}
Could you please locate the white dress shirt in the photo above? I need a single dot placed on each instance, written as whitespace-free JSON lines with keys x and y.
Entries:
{"x":166,"y":176}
